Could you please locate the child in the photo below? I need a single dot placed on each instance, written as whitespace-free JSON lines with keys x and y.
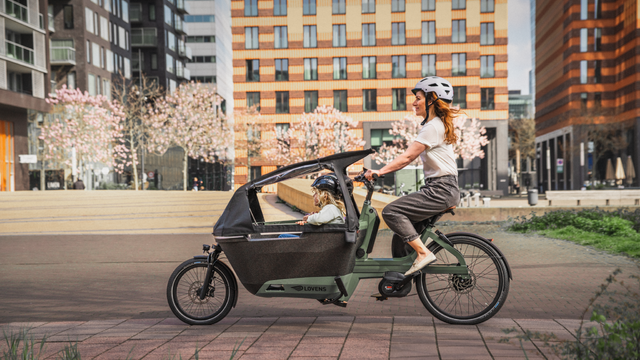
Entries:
{"x":327,"y":196}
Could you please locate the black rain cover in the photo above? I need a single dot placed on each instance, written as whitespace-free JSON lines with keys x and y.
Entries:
{"x":243,"y":209}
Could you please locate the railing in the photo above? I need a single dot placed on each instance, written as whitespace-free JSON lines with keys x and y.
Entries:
{"x":187,"y":74}
{"x":183,"y":6}
{"x":63,"y":55}
{"x":16,"y":10}
{"x":179,"y":70}
{"x":181,"y":26}
{"x":19,"y":52}
{"x":144,"y":39}
{"x":184,"y":50}
{"x":51,"y":24}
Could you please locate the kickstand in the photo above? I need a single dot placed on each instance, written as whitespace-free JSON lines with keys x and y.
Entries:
{"x":334,"y":302}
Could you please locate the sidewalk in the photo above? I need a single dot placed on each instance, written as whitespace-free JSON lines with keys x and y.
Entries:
{"x":331,"y":337}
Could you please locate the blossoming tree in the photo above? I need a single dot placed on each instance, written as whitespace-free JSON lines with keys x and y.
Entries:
{"x":248,"y":136}
{"x":471,"y":138}
{"x":323,"y":132}
{"x":89,"y":125}
{"x":191,"y":119}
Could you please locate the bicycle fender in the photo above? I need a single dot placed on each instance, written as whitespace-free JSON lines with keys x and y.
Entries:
{"x":485,"y":240}
{"x":223,"y":265}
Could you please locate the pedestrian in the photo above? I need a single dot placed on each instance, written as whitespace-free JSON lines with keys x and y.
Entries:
{"x":195,"y":184}
{"x":434,"y":145}
{"x":78,"y":185}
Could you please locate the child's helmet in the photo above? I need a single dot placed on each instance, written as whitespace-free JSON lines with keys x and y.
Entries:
{"x":330,"y":183}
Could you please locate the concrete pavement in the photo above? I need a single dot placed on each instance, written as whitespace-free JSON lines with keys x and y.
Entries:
{"x":106,"y":289}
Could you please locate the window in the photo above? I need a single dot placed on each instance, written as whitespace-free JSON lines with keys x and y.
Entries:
{"x":88,"y":49}
{"x":109,"y":55}
{"x":428,"y":65}
{"x":250,"y":7}
{"x":122,"y":38}
{"x":203,"y":59}
{"x":458,"y":4}
{"x":253,"y":98}
{"x":368,"y":6}
{"x":486,"y":6}
{"x":597,"y":9}
{"x":583,"y":102}
{"x":487,"y":68}
{"x":458,"y":64}
{"x":154,"y":61}
{"x":584,"y":36}
{"x":282,"y":69}
{"x":339,"y":35}
{"x":398,"y":66}
{"x":204,"y":79}
{"x":369,"y":67}
{"x":199,"y":18}
{"x":369,"y":102}
{"x":486,"y":34}
{"x":310,"y":101}
{"x":597,"y":39}
{"x":397,"y":34}
{"x":104,"y":28}
{"x":282,"y":102}
{"x":597,"y":100}
{"x":253,"y":70}
{"x":201,"y":39}
{"x":340,"y":68}
{"x":399,"y":99}
{"x":256,"y":172}
{"x":584,"y":9}
{"x":459,"y":31}
{"x":279,"y":7}
{"x":368,"y":34}
{"x":281,"y":131}
{"x":251,"y":37}
{"x":88,"y":19}
{"x":106,"y":88}
{"x":168,"y":16}
{"x":137,"y":62}
{"x":152,"y":12}
{"x":96,"y":23}
{"x":311,"y":69}
{"x":339,"y":7}
{"x":68,"y":16}
{"x":340,"y":100}
{"x":397,"y":5}
{"x":71,"y":80}
{"x":583,"y":72}
{"x":428,"y":5}
{"x":92,"y":85}
{"x":308,"y":7}
{"x":102,"y":62}
{"x":125,"y":11}
{"x":310,"y":39}
{"x":127,"y":68}
{"x":171,"y":42}
{"x":170,"y":65}
{"x":280,"y":36}
{"x":428,"y":32}
{"x":597,"y":71}
{"x":460,"y":96}
{"x":486,"y":98}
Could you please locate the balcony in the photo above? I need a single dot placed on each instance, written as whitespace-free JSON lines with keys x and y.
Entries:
{"x":187,"y":74}
{"x":51,"y":24}
{"x":181,"y":26}
{"x":18,"y":11}
{"x":63,"y":56}
{"x":19,"y":52}
{"x":144,"y":37}
{"x":184,"y":51}
{"x":135,"y":12}
{"x":183,"y":6}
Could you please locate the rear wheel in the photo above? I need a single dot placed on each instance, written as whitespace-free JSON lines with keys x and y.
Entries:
{"x":184,"y":287}
{"x":455,"y":300}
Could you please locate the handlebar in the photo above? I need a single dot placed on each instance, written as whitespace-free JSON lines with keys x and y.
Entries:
{"x":369,"y":184}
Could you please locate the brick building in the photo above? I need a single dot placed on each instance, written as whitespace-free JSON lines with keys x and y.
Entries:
{"x":364,"y":57}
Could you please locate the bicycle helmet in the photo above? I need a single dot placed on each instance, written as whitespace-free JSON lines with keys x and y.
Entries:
{"x":437,"y":85}
{"x":328,"y":183}
{"x":347,"y":181}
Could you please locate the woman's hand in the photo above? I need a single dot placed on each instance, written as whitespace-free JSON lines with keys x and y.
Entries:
{"x":302,"y":222}
{"x":369,"y":174}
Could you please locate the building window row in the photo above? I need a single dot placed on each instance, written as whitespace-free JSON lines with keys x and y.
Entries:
{"x":338,"y":7}
{"x":584,"y":39}
{"x":584,"y":9}
{"x":398,"y":67}
{"x":199,"y":18}
{"x":201,"y":39}
{"x":597,"y":71}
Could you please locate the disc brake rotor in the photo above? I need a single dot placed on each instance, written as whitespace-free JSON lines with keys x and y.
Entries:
{"x":460,"y":285}
{"x":194,"y":293}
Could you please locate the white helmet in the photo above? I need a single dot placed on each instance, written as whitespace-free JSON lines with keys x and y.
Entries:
{"x":441,"y":87}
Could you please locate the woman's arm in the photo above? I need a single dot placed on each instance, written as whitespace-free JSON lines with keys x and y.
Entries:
{"x":414,"y":150}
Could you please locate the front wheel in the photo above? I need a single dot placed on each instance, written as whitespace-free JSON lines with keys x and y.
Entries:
{"x":184,"y":287}
{"x":455,"y":300}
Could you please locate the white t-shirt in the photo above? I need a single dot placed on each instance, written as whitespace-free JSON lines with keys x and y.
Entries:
{"x":330,"y":214}
{"x":439,"y":159}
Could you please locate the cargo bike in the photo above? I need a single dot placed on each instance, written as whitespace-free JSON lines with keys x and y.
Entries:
{"x":468,"y":283}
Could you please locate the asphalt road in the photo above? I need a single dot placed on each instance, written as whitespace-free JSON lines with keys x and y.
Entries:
{"x":99,"y":277}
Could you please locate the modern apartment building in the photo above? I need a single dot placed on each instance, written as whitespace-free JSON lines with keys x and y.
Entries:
{"x":587,"y":110}
{"x":23,"y":84}
{"x":158,"y":41}
{"x":363,"y":58}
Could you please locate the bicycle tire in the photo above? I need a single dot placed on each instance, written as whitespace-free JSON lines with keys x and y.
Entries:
{"x":183,"y":289}
{"x":446,"y":296}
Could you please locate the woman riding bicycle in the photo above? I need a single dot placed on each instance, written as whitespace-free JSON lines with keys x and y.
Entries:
{"x":434,"y":145}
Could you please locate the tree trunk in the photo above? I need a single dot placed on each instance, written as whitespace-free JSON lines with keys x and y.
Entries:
{"x":184,"y":169}
{"x":133,"y":160}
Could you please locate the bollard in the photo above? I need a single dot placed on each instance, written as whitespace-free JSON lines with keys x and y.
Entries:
{"x":533,"y":197}
{"x":486,"y":201}
{"x":476,"y":199}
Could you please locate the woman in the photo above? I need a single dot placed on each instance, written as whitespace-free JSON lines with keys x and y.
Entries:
{"x":434,"y":145}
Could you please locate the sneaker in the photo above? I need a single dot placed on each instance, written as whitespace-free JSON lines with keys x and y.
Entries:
{"x":424,"y":262}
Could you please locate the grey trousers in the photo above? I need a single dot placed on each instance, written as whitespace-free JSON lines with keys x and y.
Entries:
{"x":437,"y":195}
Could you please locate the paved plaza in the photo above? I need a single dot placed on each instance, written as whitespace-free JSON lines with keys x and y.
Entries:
{"x":92,"y":267}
